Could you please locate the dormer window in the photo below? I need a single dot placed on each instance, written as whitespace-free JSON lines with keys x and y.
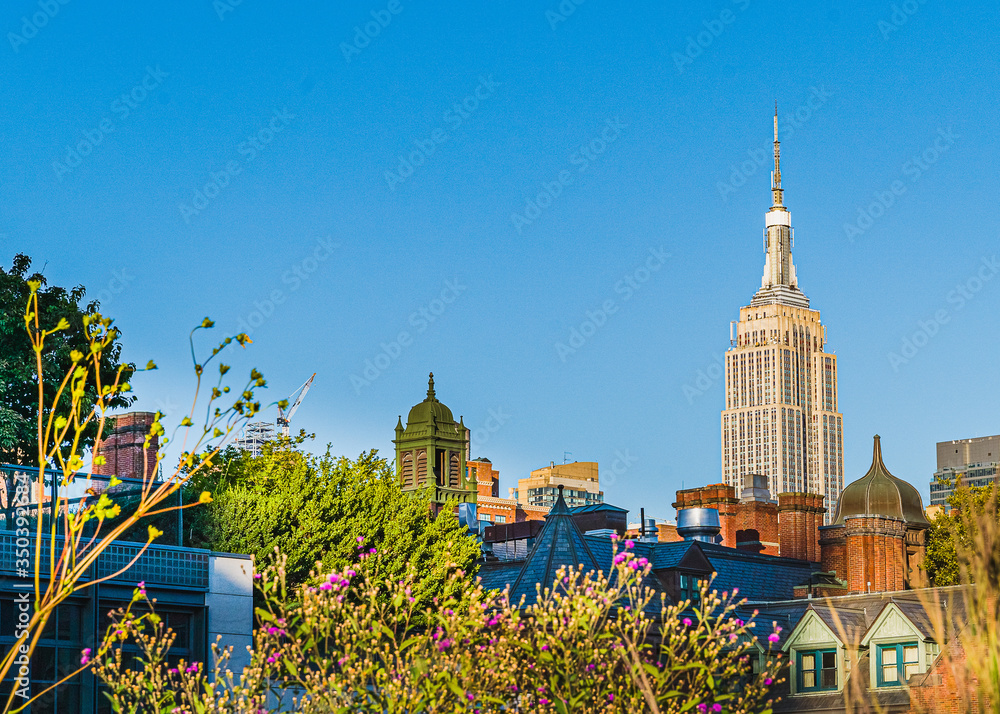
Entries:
{"x":817,"y":670}
{"x":897,"y":663}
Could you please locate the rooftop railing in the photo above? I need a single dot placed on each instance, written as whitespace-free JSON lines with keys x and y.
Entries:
{"x":158,"y":565}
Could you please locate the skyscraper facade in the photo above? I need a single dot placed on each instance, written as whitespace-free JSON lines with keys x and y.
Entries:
{"x":781,"y":418}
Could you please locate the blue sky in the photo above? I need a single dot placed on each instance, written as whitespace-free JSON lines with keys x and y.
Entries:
{"x":242,"y":153}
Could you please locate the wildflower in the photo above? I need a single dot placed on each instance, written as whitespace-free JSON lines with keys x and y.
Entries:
{"x":687,"y":622}
{"x":361,"y":539}
{"x":372,"y":551}
{"x":545,"y":648}
{"x":192,"y":668}
{"x":86,"y":656}
{"x":326,"y":586}
{"x":614,"y":536}
{"x":611,"y":697}
{"x":716,"y":707}
{"x":543,"y":701}
{"x":630,"y":544}
{"x":620,"y":558}
{"x":773,"y":637}
{"x":470,"y":696}
{"x":703,"y":708}
{"x":257,"y":576}
{"x":768,"y":682}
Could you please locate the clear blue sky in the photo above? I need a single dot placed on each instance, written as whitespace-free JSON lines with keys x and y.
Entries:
{"x":265,"y":99}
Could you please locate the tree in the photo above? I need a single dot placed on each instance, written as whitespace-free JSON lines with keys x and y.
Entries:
{"x":953,"y":531}
{"x":326,"y":509}
{"x":18,"y":379}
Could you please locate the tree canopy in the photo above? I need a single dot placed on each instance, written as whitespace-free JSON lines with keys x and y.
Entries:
{"x":18,"y":370}
{"x":315,"y":509}
{"x":952,"y":533}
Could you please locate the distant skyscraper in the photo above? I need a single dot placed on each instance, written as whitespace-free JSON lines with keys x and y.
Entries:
{"x":781,"y":417}
{"x":974,"y":462}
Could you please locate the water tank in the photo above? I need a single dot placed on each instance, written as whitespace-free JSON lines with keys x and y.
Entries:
{"x":699,"y":524}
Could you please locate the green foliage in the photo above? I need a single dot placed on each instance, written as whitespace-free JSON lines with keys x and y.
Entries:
{"x":950,"y":533}
{"x":347,"y":642}
{"x":314,"y":509}
{"x":18,"y":385}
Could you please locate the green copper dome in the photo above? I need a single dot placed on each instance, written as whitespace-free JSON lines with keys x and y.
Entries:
{"x":430,"y":409}
{"x":879,"y":493}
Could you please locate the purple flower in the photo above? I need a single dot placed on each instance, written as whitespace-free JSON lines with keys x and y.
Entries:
{"x":326,"y":586}
{"x":630,"y":544}
{"x":470,"y":696}
{"x":620,"y":558}
{"x":687,"y":622}
{"x":543,"y":701}
{"x":716,"y":707}
{"x":372,"y":551}
{"x":192,"y":668}
{"x":773,"y":637}
{"x":768,"y":682}
{"x":361,"y":539}
{"x":703,"y":708}
{"x":86,"y":656}
{"x":614,"y":536}
{"x":611,"y":697}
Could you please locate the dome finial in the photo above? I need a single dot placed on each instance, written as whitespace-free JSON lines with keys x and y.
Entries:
{"x":877,"y":452}
{"x":430,"y":388}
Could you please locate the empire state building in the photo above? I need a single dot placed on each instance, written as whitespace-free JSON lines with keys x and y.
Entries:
{"x":781,"y":417}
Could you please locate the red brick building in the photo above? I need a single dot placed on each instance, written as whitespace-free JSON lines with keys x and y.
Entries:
{"x":489,"y":506}
{"x":122,"y":448}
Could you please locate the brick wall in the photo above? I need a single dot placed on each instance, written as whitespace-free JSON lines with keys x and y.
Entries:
{"x":719,"y":496}
{"x":799,"y":517}
{"x":875,"y":551}
{"x":939,"y":690}
{"x":833,"y":551}
{"x":122,"y":448}
{"x":757,"y":527}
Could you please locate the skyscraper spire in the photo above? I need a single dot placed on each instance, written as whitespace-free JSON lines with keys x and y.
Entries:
{"x":776,"y":174}
{"x":779,"y":283}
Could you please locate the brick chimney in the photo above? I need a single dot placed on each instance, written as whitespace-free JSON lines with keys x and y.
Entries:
{"x":799,"y":517}
{"x":719,"y":496}
{"x":122,"y":448}
{"x":757,"y":517}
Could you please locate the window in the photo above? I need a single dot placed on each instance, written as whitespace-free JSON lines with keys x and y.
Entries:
{"x":897,"y":663}
{"x":817,"y":670}
{"x":500,"y":519}
{"x":690,"y":588}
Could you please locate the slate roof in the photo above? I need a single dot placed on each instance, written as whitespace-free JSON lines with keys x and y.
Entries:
{"x":497,"y":576}
{"x":560,"y":543}
{"x":596,"y":507}
{"x":759,"y":577}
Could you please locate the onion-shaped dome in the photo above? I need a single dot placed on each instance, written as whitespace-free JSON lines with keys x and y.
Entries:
{"x":430,"y":409}
{"x":879,"y":493}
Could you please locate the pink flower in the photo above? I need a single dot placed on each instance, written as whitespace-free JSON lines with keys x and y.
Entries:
{"x":326,"y":586}
{"x":716,"y":707}
{"x":703,"y":708}
{"x":768,"y":682}
{"x":630,"y":544}
{"x":687,"y":622}
{"x":620,"y":558}
{"x":773,"y":637}
{"x":611,"y":697}
{"x":614,"y":536}
{"x":361,"y":539}
{"x":86,"y":656}
{"x":543,"y":701}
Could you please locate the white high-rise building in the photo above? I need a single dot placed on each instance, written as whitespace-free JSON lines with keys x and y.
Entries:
{"x":781,"y":417}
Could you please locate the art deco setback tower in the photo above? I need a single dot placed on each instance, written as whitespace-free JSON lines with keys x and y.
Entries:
{"x":781,"y":417}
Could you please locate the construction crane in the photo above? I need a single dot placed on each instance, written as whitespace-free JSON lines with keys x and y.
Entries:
{"x":285,"y":417}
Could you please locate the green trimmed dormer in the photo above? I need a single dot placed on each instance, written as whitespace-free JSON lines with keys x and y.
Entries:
{"x":431,"y":451}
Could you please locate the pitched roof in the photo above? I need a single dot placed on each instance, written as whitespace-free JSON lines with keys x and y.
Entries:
{"x":759,"y":577}
{"x":559,"y":544}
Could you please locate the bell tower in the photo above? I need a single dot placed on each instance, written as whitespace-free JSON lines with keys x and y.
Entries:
{"x":431,"y":452}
